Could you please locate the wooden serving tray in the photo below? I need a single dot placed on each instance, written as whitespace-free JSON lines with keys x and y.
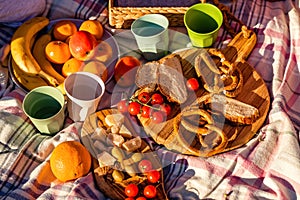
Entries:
{"x":103,"y":175}
{"x":254,"y":93}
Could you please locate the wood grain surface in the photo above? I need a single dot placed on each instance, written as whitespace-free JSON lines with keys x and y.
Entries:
{"x":254,"y":93}
{"x":103,"y":175}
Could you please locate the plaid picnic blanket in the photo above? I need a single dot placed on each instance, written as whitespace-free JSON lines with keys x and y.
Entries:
{"x":267,"y":167}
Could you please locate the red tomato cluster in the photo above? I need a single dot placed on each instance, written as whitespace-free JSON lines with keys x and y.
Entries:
{"x":134,"y":191}
{"x":151,"y":106}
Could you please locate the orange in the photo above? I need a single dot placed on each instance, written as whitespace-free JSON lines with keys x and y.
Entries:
{"x":92,"y":26}
{"x":125,"y":70}
{"x":70,"y":160}
{"x":57,"y":52}
{"x":63,"y":29}
{"x":96,"y":67}
{"x":70,"y":66}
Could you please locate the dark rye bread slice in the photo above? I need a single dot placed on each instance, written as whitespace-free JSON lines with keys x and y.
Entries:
{"x":166,"y":75}
{"x":171,"y":80}
{"x":233,"y":110}
{"x":147,"y":75}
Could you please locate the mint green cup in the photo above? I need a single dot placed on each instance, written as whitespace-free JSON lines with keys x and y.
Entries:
{"x":151,"y":34}
{"x":203,"y":22}
{"x":45,"y":107}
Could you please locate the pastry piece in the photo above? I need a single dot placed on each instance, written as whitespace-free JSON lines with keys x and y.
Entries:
{"x":215,"y":77}
{"x":196,"y":122}
{"x":208,"y":72}
{"x":212,"y":139}
{"x":202,"y":114}
{"x":236,"y":85}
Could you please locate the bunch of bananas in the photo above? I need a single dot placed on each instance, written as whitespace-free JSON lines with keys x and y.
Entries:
{"x":29,"y":63}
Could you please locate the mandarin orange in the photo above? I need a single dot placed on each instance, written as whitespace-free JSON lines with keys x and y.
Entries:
{"x":70,"y":160}
{"x":94,"y":27}
{"x":57,"y":52}
{"x":64,"y":29}
{"x":70,"y":66}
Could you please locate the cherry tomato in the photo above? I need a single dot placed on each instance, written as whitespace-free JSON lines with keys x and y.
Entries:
{"x":150,"y":191}
{"x":134,"y":108}
{"x":157,"y":98}
{"x":157,"y":117}
{"x":131,"y":190}
{"x":166,"y":108}
{"x":153,"y":176}
{"x":141,"y":198}
{"x":129,"y":198}
{"x":144,"y":97}
{"x":192,"y":84}
{"x":146,"y":111}
{"x":123,"y":106}
{"x":145,"y":165}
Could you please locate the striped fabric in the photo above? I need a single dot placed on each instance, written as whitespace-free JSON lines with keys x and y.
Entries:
{"x":267,"y":167}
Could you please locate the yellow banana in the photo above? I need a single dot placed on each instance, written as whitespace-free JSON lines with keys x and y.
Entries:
{"x":39,"y":54}
{"x":21,"y":51}
{"x":62,"y":88}
{"x":28,"y":81}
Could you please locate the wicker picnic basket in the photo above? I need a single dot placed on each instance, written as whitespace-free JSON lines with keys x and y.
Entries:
{"x":123,"y":16}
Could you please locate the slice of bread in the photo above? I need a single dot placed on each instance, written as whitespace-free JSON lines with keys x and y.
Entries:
{"x":234,"y":110}
{"x":171,"y":81}
{"x":147,"y":75}
{"x":165,"y":75}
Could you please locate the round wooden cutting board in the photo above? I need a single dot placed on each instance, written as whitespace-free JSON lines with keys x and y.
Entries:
{"x":254,"y":93}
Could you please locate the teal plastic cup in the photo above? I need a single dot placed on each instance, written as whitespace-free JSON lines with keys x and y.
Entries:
{"x":203,"y":22}
{"x":151,"y":34}
{"x":45,"y":107}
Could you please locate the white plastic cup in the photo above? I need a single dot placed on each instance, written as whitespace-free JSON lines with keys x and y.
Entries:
{"x":84,"y":91}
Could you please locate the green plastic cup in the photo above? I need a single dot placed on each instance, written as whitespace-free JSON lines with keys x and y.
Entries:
{"x":203,"y":22}
{"x":45,"y":108}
